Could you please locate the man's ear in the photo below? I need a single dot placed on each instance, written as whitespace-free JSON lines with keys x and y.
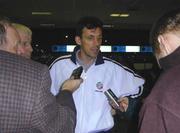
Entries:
{"x":162,"y":42}
{"x":78,"y":40}
{"x":164,"y":47}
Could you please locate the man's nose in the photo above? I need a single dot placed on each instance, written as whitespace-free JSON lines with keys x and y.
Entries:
{"x":20,"y":50}
{"x":97,"y":42}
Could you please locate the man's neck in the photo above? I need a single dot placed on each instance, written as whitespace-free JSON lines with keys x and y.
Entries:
{"x":84,"y":61}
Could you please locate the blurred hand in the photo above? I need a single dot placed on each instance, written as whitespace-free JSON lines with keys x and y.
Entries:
{"x":71,"y":84}
{"x":123,"y":104}
{"x":113,"y":111}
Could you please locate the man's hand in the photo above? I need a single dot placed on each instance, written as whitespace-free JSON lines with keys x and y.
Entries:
{"x":71,"y":84}
{"x":123,"y":104}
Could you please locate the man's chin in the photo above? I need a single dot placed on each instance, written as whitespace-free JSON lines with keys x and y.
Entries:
{"x":94,"y":56}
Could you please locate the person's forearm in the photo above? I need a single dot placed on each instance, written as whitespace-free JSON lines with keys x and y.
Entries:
{"x":65,"y":98}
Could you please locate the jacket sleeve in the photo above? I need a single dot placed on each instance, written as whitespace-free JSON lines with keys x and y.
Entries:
{"x":126,"y":82}
{"x":50,"y":116}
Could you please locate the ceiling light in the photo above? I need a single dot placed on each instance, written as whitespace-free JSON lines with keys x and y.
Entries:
{"x":47,"y":25}
{"x":108,"y":26}
{"x":41,"y":13}
{"x":124,"y":15}
{"x":119,"y":15}
{"x":114,"y":15}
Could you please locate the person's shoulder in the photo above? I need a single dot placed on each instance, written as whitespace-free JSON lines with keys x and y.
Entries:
{"x":111,"y":61}
{"x":59,"y":60}
{"x":175,"y":70}
{"x":117,"y":64}
{"x":19,"y":62}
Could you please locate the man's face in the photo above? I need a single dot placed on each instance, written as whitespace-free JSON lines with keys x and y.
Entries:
{"x":25,"y":48}
{"x":90,"y":42}
{"x":12,"y":40}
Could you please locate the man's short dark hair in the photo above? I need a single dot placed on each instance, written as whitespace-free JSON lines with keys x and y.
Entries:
{"x":88,"y":22}
{"x":169,"y":22}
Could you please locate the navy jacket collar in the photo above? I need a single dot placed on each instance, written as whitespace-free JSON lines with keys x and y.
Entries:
{"x":99,"y":59}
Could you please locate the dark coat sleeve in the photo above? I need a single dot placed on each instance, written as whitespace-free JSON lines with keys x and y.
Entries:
{"x":50,"y":116}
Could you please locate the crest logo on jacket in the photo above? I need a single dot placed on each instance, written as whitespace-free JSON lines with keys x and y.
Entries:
{"x":99,"y":85}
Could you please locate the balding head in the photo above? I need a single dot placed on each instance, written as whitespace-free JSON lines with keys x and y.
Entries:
{"x":9,"y":38}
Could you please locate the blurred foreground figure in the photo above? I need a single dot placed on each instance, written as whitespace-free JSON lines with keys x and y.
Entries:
{"x":161,"y":111}
{"x":26,"y":104}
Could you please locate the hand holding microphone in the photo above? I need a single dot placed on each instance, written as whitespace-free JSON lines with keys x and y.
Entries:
{"x":76,"y":74}
{"x":121,"y":103}
{"x":74,"y":81}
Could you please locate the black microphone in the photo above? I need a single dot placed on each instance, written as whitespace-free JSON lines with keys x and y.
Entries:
{"x":112,"y":97}
{"x":77,"y":72}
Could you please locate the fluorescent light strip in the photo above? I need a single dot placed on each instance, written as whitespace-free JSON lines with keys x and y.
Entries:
{"x":114,"y":48}
{"x":124,"y":15}
{"x":108,"y":26}
{"x":132,"y":48}
{"x":115,"y":15}
{"x":41,"y":13}
{"x":105,"y":49}
{"x":70,"y":48}
{"x":120,"y":15}
{"x":47,"y":25}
